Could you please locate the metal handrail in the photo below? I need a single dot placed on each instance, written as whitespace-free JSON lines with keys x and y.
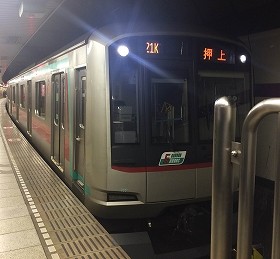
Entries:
{"x":247,"y":174}
{"x":222,"y":178}
{"x":220,"y":235}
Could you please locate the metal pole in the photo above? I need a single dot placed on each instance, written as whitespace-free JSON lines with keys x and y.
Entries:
{"x":247,"y":174}
{"x":276,"y":219}
{"x":222,"y":177}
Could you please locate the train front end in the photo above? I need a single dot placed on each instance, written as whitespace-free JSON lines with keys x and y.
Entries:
{"x":159,"y":93}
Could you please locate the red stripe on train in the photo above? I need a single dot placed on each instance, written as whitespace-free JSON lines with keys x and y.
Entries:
{"x":161,"y":168}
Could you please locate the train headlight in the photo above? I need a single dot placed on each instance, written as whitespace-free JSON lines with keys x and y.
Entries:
{"x":243,"y":58}
{"x":123,"y":50}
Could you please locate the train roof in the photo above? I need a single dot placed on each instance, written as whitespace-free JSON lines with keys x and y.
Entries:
{"x":110,"y":33}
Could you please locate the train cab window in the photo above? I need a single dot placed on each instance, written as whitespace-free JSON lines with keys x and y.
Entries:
{"x":124,"y":102}
{"x":22,"y":96}
{"x":40,"y":99}
{"x":169,"y":110}
{"x":212,"y":88}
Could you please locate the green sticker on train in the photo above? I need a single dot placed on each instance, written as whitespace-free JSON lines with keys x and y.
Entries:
{"x":172,"y":158}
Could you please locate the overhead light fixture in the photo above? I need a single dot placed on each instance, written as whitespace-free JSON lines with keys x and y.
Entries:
{"x":123,"y":50}
{"x":243,"y":58}
{"x":32,"y":9}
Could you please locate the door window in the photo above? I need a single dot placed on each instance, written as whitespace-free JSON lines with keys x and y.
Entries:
{"x":40,"y":99}
{"x":81,"y":103}
{"x":56,"y":99}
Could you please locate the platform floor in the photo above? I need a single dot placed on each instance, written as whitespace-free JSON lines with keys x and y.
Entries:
{"x":39,"y":215}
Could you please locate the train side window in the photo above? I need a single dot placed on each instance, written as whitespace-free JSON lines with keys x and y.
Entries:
{"x":40,"y":99}
{"x":22,"y":96}
{"x":124,"y":102}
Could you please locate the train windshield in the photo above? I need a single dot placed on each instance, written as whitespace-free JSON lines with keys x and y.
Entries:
{"x":156,"y":91}
{"x":163,"y":90}
{"x":211,"y":87}
{"x":169,"y":104}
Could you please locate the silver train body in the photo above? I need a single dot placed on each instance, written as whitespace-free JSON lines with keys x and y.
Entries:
{"x":129,"y":128}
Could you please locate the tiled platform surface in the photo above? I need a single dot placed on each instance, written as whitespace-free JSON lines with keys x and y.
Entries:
{"x":39,"y":216}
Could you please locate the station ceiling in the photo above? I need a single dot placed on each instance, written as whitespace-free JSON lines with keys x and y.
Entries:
{"x":47,"y":25}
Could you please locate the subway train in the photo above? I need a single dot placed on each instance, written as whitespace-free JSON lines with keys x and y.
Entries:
{"x":125,"y":115}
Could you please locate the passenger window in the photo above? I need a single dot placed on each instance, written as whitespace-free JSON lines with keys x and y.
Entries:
{"x":40,"y":99}
{"x":124,"y":102}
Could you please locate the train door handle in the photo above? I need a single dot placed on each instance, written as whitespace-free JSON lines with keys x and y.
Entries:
{"x":78,"y":138}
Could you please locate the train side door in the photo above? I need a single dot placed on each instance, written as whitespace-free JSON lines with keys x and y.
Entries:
{"x":29,"y":107}
{"x":80,"y":127}
{"x":58,"y":120}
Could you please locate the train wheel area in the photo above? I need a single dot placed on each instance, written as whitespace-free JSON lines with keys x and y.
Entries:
{"x":183,"y":228}
{"x":179,"y":232}
{"x":184,"y":231}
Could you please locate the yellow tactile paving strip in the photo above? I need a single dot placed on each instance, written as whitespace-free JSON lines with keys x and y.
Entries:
{"x":65,"y":227}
